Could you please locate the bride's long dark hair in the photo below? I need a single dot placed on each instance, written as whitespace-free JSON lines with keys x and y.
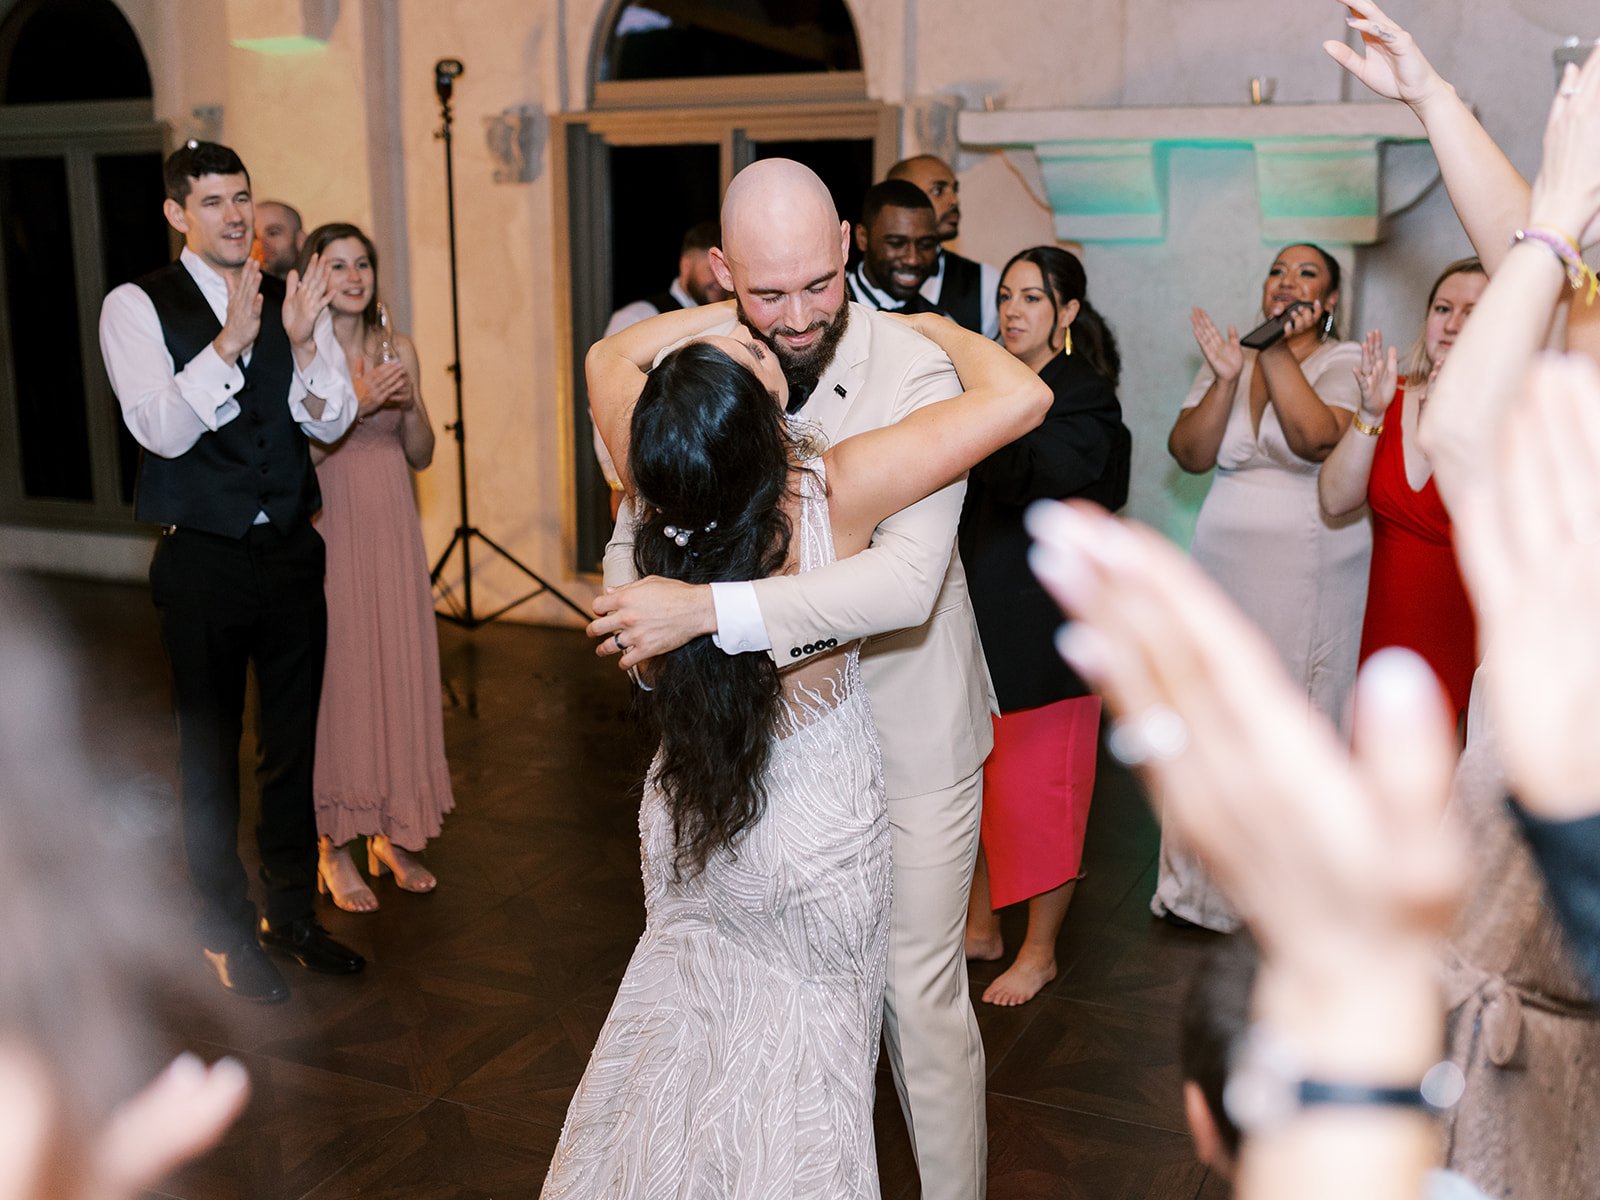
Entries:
{"x":710,"y":456}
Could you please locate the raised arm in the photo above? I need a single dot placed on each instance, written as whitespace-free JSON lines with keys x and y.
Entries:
{"x":615,"y":368}
{"x":1512,"y":319}
{"x":1488,"y":193}
{"x":937,"y":443}
{"x":1342,"y":482}
{"x":1197,"y":433}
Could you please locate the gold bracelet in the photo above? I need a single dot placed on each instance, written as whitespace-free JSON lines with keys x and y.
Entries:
{"x":1363,"y":427}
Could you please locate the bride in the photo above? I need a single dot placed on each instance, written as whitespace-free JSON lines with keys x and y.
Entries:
{"x":738,"y":1058}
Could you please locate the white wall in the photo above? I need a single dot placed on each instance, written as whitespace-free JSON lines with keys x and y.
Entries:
{"x":319,"y":130}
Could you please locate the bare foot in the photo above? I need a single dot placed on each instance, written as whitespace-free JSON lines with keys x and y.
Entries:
{"x":337,"y":875}
{"x":985,"y":947}
{"x":1022,"y":980}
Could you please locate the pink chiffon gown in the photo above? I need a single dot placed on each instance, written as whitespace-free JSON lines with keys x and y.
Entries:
{"x":380,"y":765}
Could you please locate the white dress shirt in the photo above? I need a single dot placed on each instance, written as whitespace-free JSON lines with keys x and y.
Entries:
{"x":167,"y":410}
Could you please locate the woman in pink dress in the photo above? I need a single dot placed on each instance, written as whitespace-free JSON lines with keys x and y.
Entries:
{"x":380,"y":765}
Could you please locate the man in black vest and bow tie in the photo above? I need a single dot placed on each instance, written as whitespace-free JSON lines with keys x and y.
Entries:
{"x":960,"y":287}
{"x":222,"y":374}
{"x":899,"y":244}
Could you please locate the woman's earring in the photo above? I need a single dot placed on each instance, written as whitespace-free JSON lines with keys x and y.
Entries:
{"x":1066,"y":345}
{"x":1327,"y":324}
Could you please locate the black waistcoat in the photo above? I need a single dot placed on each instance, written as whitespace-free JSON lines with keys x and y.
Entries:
{"x":961,"y":293}
{"x":257,"y":462}
{"x":664,"y":302}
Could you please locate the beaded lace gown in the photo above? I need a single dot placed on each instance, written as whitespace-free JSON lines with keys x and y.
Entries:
{"x":737,"y":1062}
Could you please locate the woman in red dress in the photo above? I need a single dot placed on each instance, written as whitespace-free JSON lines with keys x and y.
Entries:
{"x":1415,"y":597}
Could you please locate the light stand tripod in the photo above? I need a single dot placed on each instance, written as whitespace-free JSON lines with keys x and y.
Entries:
{"x":445,"y":73}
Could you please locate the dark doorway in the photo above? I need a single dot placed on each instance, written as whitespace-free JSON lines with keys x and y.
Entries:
{"x":657,"y":193}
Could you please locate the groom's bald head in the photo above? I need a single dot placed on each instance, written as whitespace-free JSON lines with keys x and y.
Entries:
{"x":783,"y":255}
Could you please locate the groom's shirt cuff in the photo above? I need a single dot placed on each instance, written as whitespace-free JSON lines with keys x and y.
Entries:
{"x":740,"y":628}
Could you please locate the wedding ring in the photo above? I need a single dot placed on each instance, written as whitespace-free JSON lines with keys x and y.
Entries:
{"x":1158,"y":734}
{"x":617,"y":637}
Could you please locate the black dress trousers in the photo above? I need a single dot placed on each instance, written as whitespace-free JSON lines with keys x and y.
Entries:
{"x":226,"y":603}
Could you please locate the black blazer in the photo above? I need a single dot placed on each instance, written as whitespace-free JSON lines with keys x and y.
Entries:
{"x":1082,"y":449}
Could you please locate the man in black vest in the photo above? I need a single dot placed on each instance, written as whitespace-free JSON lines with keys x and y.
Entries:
{"x":222,"y":373}
{"x":958,"y":286}
{"x":899,"y":243}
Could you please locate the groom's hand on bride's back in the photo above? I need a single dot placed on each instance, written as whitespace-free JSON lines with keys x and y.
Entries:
{"x":651,"y":616}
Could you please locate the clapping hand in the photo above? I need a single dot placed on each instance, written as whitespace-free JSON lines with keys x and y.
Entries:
{"x":304,"y":298}
{"x":1530,"y":553}
{"x":1224,"y":355}
{"x":1332,"y":858}
{"x":387,"y":385}
{"x":1378,"y":376}
{"x":243,"y":320}
{"x":1393,"y":65}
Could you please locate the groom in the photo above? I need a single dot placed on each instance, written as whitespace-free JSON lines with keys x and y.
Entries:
{"x":852,"y":369}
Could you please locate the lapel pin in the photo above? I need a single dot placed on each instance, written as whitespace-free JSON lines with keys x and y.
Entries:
{"x":839,"y":387}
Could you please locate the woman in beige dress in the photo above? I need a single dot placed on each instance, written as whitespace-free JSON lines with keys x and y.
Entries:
{"x":1265,"y":421}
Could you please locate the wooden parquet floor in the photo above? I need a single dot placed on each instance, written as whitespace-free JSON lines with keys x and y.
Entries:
{"x":443,"y":1072}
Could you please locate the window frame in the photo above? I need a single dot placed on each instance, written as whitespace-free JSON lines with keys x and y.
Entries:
{"x":77,"y":133}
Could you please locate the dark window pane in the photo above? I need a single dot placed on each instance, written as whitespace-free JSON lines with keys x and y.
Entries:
{"x":691,"y":39}
{"x":657,"y":193}
{"x":844,"y":165}
{"x":42,"y":310}
{"x":59,"y":50}
{"x":133,"y":241}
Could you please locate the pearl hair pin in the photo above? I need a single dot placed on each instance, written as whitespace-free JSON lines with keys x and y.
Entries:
{"x":681,"y":536}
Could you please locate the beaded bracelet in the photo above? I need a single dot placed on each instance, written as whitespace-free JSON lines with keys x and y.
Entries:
{"x":1579,"y":274}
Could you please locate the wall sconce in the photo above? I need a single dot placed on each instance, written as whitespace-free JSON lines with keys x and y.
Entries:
{"x":515,"y":139}
{"x":205,"y":123}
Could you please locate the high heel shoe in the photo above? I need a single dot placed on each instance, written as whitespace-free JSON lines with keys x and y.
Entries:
{"x":358,"y":898}
{"x":409,"y":875}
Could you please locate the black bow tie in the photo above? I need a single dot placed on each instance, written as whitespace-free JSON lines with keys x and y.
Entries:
{"x":799,"y":393}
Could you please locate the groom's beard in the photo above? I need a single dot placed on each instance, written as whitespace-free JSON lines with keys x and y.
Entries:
{"x":803,"y":368}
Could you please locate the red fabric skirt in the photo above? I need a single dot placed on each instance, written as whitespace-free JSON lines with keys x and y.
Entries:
{"x":1036,"y":788}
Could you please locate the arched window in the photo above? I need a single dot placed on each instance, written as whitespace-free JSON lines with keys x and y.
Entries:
{"x":80,"y":212}
{"x":57,"y":51}
{"x":684,"y":39}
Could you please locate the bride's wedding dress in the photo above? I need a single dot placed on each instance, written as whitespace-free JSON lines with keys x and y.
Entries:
{"x":737,"y":1062}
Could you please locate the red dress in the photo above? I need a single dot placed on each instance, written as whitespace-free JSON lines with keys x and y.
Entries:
{"x":1415,"y":598}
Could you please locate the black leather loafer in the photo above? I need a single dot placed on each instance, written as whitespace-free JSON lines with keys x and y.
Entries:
{"x":245,"y":971}
{"x":312,"y":946}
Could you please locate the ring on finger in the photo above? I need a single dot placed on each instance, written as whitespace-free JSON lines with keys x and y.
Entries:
{"x":617,"y":637}
{"x":1158,"y":734}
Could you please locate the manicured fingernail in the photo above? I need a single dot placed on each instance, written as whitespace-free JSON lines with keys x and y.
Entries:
{"x":1062,"y":569}
{"x":1394,"y":682}
{"x":1083,"y":648}
{"x":186,"y":1067}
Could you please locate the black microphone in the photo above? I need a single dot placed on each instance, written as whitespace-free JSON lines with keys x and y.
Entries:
{"x":445,"y":72}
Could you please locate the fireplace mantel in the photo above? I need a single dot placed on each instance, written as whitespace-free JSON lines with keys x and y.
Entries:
{"x":1324,"y":172}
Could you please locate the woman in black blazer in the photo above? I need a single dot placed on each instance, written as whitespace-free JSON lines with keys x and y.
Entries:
{"x":1038,"y":781}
